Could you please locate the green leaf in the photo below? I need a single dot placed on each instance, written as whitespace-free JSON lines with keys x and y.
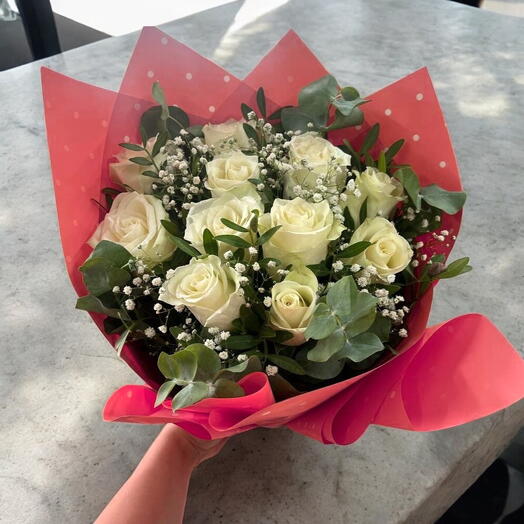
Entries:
{"x":346,"y":107}
{"x":409,"y":180}
{"x":225,"y":388}
{"x":362,"y":347}
{"x":295,"y":119}
{"x":241,"y":342}
{"x":151,"y":174}
{"x":265,"y":237}
{"x":251,"y":132}
{"x":261,"y":101}
{"x":131,"y":147}
{"x":381,"y":162}
{"x":119,"y":344}
{"x":159,"y":143}
{"x":360,"y":324}
{"x":158,"y":95}
{"x":208,"y":362}
{"x":196,"y":131}
{"x":152,"y":123}
{"x":456,"y":268}
{"x":349,"y":93}
{"x":163,"y":391}
{"x":287,"y":363}
{"x":381,"y":327}
{"x":141,"y":161}
{"x":246,"y":110}
{"x":191,"y":394}
{"x":315,"y":98}
{"x":210,"y":244}
{"x":283,"y":336}
{"x":177,"y":120}
{"x":322,"y":324}
{"x":327,"y":347}
{"x":100,"y":275}
{"x":448,"y":201}
{"x":321,"y":370}
{"x":346,"y":301}
{"x":234,"y":226}
{"x":276,"y":115}
{"x":181,"y":365}
{"x":233,"y":240}
{"x":370,"y":139}
{"x":355,"y":118}
{"x":354,"y":249}
{"x":363,"y":213}
{"x":180,"y":243}
{"x":393,"y":149}
{"x":113,"y":252}
{"x":242,"y":369}
{"x":95,"y":305}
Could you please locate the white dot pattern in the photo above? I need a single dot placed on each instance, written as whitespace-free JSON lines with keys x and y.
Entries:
{"x":442,"y":163}
{"x":189,"y":76}
{"x":227,"y":78}
{"x":419,"y":96}
{"x":126,"y":139}
{"x":104,"y":123}
{"x":137,"y":106}
{"x":387,"y":112}
{"x":150,"y":74}
{"x":76,"y":115}
{"x":211,"y":109}
{"x":416,"y":138}
{"x":164,"y":40}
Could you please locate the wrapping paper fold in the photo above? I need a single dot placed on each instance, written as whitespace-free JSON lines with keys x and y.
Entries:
{"x":443,"y":376}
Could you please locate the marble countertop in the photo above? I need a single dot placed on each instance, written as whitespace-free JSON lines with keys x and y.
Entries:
{"x":59,"y":462}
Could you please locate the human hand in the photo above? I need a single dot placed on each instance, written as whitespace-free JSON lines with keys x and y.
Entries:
{"x":194,"y":449}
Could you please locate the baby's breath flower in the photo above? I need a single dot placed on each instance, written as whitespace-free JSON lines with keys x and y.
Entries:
{"x":354,"y":268}
{"x":267,"y":301}
{"x":242,"y":357}
{"x":130,"y":304}
{"x":157,"y":307}
{"x":213,"y":330}
{"x":271,"y":370}
{"x":228,"y":255}
{"x":338,"y":266}
{"x":162,"y":329}
{"x":224,"y":335}
{"x":403,"y":333}
{"x":239,"y":267}
{"x":116,"y":289}
{"x":256,"y":266}
{"x":149,"y":332}
{"x":223,"y":355}
{"x":253,"y":250}
{"x":157,"y":281}
{"x":209,"y":343}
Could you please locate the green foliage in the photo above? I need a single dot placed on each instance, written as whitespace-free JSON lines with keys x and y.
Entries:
{"x":265,"y":237}
{"x":180,"y":243}
{"x":261,"y":101}
{"x":456,"y":268}
{"x":287,"y":363}
{"x":234,"y":226}
{"x":340,"y":323}
{"x":354,"y":249}
{"x":450,"y":202}
{"x":95,"y":305}
{"x":370,"y":139}
{"x":210,"y":244}
{"x":409,"y":180}
{"x":233,"y":240}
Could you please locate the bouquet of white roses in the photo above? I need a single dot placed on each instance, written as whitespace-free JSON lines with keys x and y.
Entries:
{"x":286,"y":253}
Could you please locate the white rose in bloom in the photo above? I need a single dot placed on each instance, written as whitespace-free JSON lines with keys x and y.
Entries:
{"x":390,"y":252}
{"x":306,"y":230}
{"x":210,"y":289}
{"x":312,"y":156}
{"x":230,"y":171}
{"x":235,"y":205}
{"x":293,"y":302}
{"x":217,"y":134}
{"x":382,"y":192}
{"x":128,"y":173}
{"x":134,"y":222}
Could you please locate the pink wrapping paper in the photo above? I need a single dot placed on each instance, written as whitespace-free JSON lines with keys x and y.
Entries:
{"x":443,"y":376}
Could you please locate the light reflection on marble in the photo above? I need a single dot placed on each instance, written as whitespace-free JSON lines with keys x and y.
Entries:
{"x":60,"y":463}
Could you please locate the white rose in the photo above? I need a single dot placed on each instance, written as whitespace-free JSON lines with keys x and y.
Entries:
{"x":235,"y":205}
{"x":306,"y":230}
{"x":293,"y":302}
{"x":125,"y":172}
{"x":390,"y":252}
{"x":382,"y":192}
{"x":313,"y":157}
{"x":230,"y":171}
{"x":134,"y":222}
{"x":217,"y":134}
{"x":210,"y":289}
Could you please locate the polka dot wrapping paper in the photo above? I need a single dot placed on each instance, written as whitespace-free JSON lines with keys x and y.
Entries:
{"x":442,"y":376}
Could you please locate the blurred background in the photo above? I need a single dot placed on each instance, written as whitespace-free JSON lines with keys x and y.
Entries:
{"x":34,"y":29}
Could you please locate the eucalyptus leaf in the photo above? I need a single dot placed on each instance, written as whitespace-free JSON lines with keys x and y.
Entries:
{"x":321,"y":370}
{"x":296,"y":119}
{"x":95,"y":305}
{"x":327,"y":347}
{"x":241,"y":342}
{"x":261,"y":101}
{"x":362,"y":347}
{"x":370,"y":139}
{"x":355,"y":118}
{"x":208,"y":362}
{"x":316,"y":97}
{"x":287,"y":363}
{"x":119,"y":344}
{"x":163,"y":391}
{"x":322,"y":324}
{"x":181,"y":365}
{"x":225,"y":388}
{"x":113,"y":252}
{"x":100,"y":275}
{"x":450,"y":202}
{"x":190,"y":394}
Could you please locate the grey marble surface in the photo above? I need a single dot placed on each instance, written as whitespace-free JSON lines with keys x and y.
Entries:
{"x":60,"y":463}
